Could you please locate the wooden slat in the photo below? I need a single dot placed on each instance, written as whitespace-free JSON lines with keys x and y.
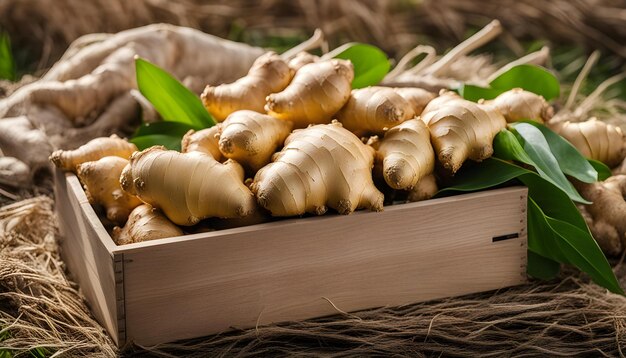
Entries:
{"x":87,"y":250}
{"x":290,"y":270}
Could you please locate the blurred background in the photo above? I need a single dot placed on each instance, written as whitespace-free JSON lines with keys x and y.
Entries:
{"x":41,"y":30}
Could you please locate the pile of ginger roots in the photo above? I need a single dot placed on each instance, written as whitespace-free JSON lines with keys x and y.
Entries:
{"x":294,"y":138}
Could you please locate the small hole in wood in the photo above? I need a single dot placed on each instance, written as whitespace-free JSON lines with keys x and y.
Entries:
{"x":505,"y":237}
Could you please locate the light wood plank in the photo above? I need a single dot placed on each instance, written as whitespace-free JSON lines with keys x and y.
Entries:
{"x":200,"y":284}
{"x":87,"y":250}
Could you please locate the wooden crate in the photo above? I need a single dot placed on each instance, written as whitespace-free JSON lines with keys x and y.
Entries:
{"x":295,"y":269}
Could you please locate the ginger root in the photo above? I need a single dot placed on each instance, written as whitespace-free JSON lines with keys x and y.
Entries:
{"x":405,"y":155}
{"x":460,"y":129}
{"x":301,"y":59}
{"x":319,"y":167}
{"x":204,"y":141}
{"x":269,"y":74}
{"x":594,"y":139}
{"x":145,"y":223}
{"x":424,"y":189}
{"x":101,"y":180}
{"x":373,"y":110}
{"x":91,"y":151}
{"x":517,"y":104}
{"x":318,"y":90}
{"x":606,"y":216}
{"x":418,"y":97}
{"x":187,"y":187}
{"x":251,"y":138}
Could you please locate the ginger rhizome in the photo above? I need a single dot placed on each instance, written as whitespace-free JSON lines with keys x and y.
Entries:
{"x":251,"y":138}
{"x":269,"y":74}
{"x":101,"y":180}
{"x":405,"y":155}
{"x":301,"y":59}
{"x":318,"y":90}
{"x":606,"y":216}
{"x":418,"y":97}
{"x":460,"y":129}
{"x":594,"y":139}
{"x":91,"y":151}
{"x":424,"y":189}
{"x":373,"y":110}
{"x":145,"y":223}
{"x":187,"y":187}
{"x":319,"y":167}
{"x":517,"y":104}
{"x":204,"y":141}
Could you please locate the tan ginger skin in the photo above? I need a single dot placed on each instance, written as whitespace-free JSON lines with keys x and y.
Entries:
{"x":517,"y":104}
{"x":418,"y":97}
{"x":204,"y":141}
{"x":594,"y":139}
{"x":373,"y":110}
{"x":250,"y":138}
{"x":188,"y":187}
{"x":101,"y":180}
{"x":460,"y":129}
{"x":269,"y":74}
{"x":405,"y":155}
{"x":145,"y":223}
{"x":318,"y":90}
{"x":91,"y":151}
{"x":301,"y":59}
{"x":605,"y":216}
{"x":424,"y":189}
{"x":319,"y":167}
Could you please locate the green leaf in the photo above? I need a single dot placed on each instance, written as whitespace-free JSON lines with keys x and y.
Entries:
{"x":7,"y":64}
{"x":541,"y":267}
{"x":604,"y":172}
{"x":170,"y":98}
{"x":167,"y":134}
{"x":570,"y":160}
{"x":507,"y":147}
{"x":537,"y":148}
{"x":491,"y":172}
{"x":474,"y":93}
{"x":532,"y":78}
{"x":576,"y":247}
{"x":370,"y":64}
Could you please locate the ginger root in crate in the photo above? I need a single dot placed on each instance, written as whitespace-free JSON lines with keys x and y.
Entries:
{"x":188,"y":187}
{"x":318,"y":90}
{"x":517,"y":104}
{"x":93,"y":150}
{"x":418,"y":97}
{"x":101,"y":180}
{"x":251,"y":138}
{"x":405,"y":156}
{"x":319,"y":167}
{"x":373,"y":110}
{"x":204,"y":141}
{"x":606,"y":217}
{"x":145,"y":223}
{"x":269,"y":74}
{"x":460,"y":129}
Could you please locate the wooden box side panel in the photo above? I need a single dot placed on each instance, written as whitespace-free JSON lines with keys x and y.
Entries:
{"x":87,"y":250}
{"x":293,"y":270}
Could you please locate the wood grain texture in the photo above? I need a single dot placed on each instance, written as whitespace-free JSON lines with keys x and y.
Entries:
{"x":87,"y":250}
{"x":291,"y":270}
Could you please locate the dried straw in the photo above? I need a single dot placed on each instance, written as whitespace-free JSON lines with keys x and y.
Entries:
{"x":42,"y":26}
